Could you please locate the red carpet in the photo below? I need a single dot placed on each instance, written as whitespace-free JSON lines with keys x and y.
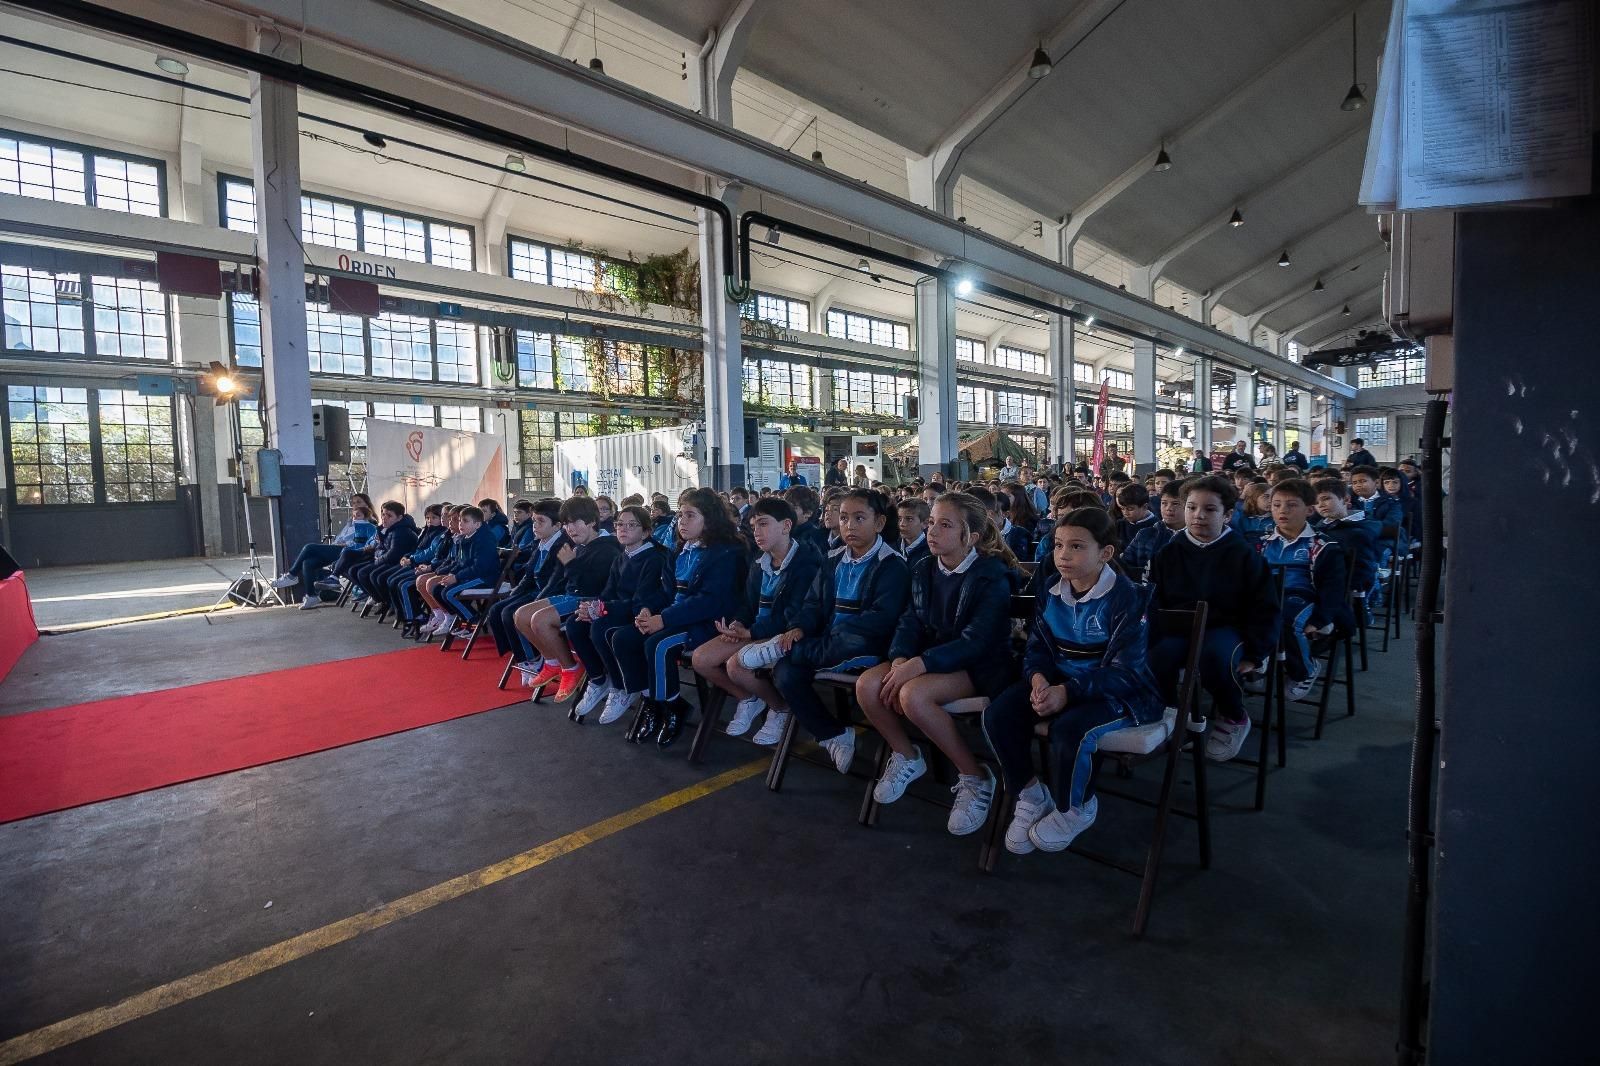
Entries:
{"x":17,"y":631}
{"x":66,"y":756}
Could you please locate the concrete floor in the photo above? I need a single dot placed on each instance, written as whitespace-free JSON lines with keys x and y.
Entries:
{"x":65,"y":595}
{"x":745,"y":927}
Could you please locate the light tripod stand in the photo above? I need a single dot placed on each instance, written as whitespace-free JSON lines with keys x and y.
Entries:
{"x":251,"y":588}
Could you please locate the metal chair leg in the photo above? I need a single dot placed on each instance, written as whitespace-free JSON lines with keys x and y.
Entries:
{"x":1202,"y":799}
{"x":710,"y":714}
{"x":780,"y":756}
{"x":869,"y":802}
{"x":1262,"y":753}
{"x":989,"y":854}
{"x":1349,"y":681}
{"x":505,"y":675}
{"x":1158,"y":837}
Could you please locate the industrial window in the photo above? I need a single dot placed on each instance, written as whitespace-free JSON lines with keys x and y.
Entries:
{"x":413,"y":414}
{"x":624,"y":365}
{"x":1408,"y":370}
{"x":776,"y":383}
{"x":457,"y":352}
{"x":572,"y":365}
{"x":1373,"y":430}
{"x":335,"y":343}
{"x":338,"y":223}
{"x":1224,"y":398}
{"x":529,"y":261}
{"x":328,"y":222}
{"x":972,"y":404}
{"x":573,"y":270}
{"x":1263,"y":394}
{"x":465,"y":418}
{"x":1019,"y":359}
{"x":779,"y":310}
{"x":402,"y":347}
{"x":869,"y":330}
{"x":396,"y":236}
{"x":1119,"y":419}
{"x":535,"y":364}
{"x":137,"y":457}
{"x":84,"y":446}
{"x":123,"y":185}
{"x":865,"y":392}
{"x":537,"y":430}
{"x":1083,"y":373}
{"x":130,"y":319}
{"x":244,"y":321}
{"x":252,"y":434}
{"x":77,"y":174}
{"x":48,"y":445}
{"x":969,"y":351}
{"x":1018,"y":409}
{"x":43,"y":312}
{"x":1118,"y":379}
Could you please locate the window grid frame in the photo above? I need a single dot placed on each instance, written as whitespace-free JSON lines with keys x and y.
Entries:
{"x":87,"y":306}
{"x":89,"y":153}
{"x":95,"y":442}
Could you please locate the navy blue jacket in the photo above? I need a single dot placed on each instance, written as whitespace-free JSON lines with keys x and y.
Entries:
{"x":1233,"y":580}
{"x":884,"y":589}
{"x":975,"y":639}
{"x":432,"y":542}
{"x":1127,"y":530}
{"x":396,"y":542}
{"x":794,"y":582}
{"x":1019,"y":542}
{"x":590,"y":568}
{"x":1144,"y":545}
{"x":918,"y":553}
{"x":638,"y":582}
{"x":480,"y":558}
{"x":542,"y":579}
{"x":499,"y":526}
{"x":812,"y":532}
{"x":1121,"y":671}
{"x":1385,"y":511}
{"x":1329,"y":576}
{"x":1359,"y":539}
{"x":712,"y":593}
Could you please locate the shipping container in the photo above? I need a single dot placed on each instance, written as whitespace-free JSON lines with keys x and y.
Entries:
{"x":650,"y":460}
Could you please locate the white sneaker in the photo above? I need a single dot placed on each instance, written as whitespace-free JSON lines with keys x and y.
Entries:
{"x":461,"y":633}
{"x":1059,"y":829}
{"x":310,"y":603}
{"x":744,"y":716}
{"x":1299,"y":690}
{"x":438,"y":623}
{"x":1027,"y":815}
{"x":842,"y":748}
{"x":593,"y":696}
{"x":899,"y":773}
{"x":529,"y":670}
{"x":772,"y":729}
{"x":1224,"y":739}
{"x":284,"y":581}
{"x":760,"y":656}
{"x":619,"y":703}
{"x":973,"y":797}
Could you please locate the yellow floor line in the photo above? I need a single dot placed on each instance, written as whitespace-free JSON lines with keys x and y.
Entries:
{"x":93,"y":1022}
{"x":74,"y":627}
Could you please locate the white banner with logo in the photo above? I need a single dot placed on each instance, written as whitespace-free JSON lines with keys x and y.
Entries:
{"x":419,"y":465}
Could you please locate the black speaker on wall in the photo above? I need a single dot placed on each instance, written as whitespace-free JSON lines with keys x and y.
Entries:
{"x":331,"y":425}
{"x":752,"y":439}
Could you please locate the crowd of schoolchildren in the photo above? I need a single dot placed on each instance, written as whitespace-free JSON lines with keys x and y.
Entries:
{"x":913,"y":591}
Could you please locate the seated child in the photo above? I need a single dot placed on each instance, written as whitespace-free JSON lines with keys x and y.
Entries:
{"x":1085,"y":673}
{"x":640,"y":578}
{"x":944,"y":649}
{"x":661,"y":517}
{"x":1210,"y":562}
{"x":1066,"y":501}
{"x":1252,"y":521}
{"x":807,"y":516}
{"x":1133,"y":501}
{"x":774,"y":590}
{"x":1015,"y":537}
{"x":478,"y":567}
{"x":397,"y":536}
{"x":539,"y":574}
{"x":912,"y":520}
{"x":830,"y":519}
{"x":1154,"y":536}
{"x":394,"y":582}
{"x":1383,"y":511}
{"x":845,"y":623}
{"x":706,"y":573}
{"x":427,"y":573}
{"x":1352,"y":531}
{"x":1314,"y":581}
{"x":585,"y":560}
{"x":495,"y":518}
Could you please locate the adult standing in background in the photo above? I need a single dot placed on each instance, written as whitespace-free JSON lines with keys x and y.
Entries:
{"x":791,"y":477}
{"x":838,"y":475}
{"x":1359,"y":456}
{"x":1239,"y":457}
{"x":1201,"y":464}
{"x":1112,"y":463}
{"x":1294,"y":457}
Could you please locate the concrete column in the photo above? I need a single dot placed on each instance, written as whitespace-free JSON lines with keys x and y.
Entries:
{"x":1278,"y":406}
{"x":1063,"y":414}
{"x":1141,"y":283}
{"x":937,"y":441}
{"x":1202,"y":404}
{"x":286,"y":372}
{"x":723,"y":357}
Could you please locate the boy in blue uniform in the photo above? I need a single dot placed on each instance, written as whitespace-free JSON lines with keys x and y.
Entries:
{"x":479,"y":566}
{"x":1085,"y":672}
{"x":585,"y":566}
{"x":912,"y":519}
{"x":1383,"y":511}
{"x":1314,"y":581}
{"x":1133,"y":502}
{"x":640,"y":579}
{"x":1153,"y":536}
{"x":1350,"y":528}
{"x":845,"y":624}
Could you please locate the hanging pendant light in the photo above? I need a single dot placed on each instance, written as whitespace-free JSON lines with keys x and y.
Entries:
{"x":1040,"y":65}
{"x":1346,"y":310}
{"x":1163,"y":161}
{"x":1355,"y":99}
{"x":816,"y":143}
{"x":1236,"y":220}
{"x":1318,"y":287}
{"x":1283,"y":260}
{"x":595,"y":64}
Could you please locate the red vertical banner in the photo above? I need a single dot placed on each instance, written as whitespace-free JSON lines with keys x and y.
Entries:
{"x":1100,"y":429}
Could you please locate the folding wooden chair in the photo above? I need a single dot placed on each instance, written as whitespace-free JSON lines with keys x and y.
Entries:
{"x":1272,"y":708}
{"x":480,"y":600}
{"x":1180,"y":728}
{"x":1390,"y":617}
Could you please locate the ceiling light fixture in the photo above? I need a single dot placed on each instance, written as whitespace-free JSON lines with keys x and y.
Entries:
{"x":1354,"y":100}
{"x":1040,"y":65}
{"x":1236,"y":219}
{"x":1318,"y":287}
{"x":964,"y":287}
{"x":175,"y":67}
{"x":1346,"y":310}
{"x":1163,"y":160}
{"x":863,"y":266}
{"x":595,"y":64}
{"x":375,"y":139}
{"x":1283,"y":260}
{"x":816,"y":142}
{"x":516,"y":164}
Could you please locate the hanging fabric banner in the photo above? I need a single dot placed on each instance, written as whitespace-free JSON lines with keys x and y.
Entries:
{"x":419,"y":465}
{"x":1100,"y":427}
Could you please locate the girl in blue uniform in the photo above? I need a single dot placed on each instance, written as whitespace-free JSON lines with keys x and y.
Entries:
{"x":1084,"y":672}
